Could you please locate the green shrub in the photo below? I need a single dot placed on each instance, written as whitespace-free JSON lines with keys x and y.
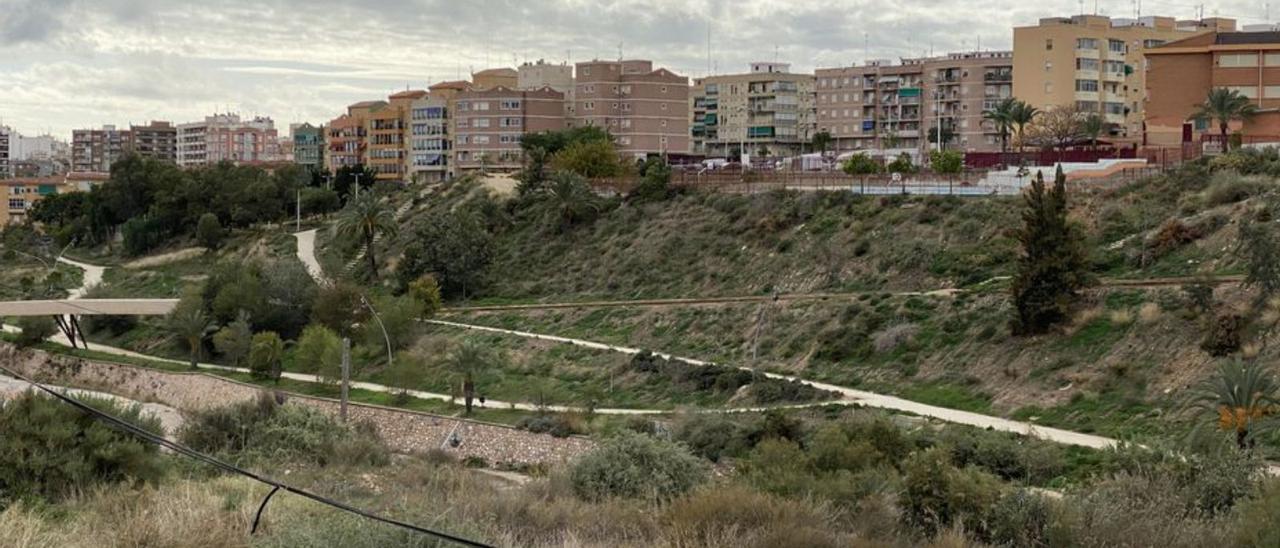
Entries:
{"x":636,"y":466}
{"x":1021,"y":519}
{"x":557,"y":425}
{"x":861,"y":164}
{"x":710,"y":435}
{"x":1224,"y":333}
{"x":50,"y":450}
{"x":901,"y":164}
{"x":35,"y":329}
{"x":263,"y":431}
{"x":264,"y":356}
{"x":937,"y":495}
{"x":1228,"y":187}
{"x":1257,"y":519}
{"x":209,"y":231}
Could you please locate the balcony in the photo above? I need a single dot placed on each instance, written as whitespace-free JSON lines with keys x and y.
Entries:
{"x":997,"y":77}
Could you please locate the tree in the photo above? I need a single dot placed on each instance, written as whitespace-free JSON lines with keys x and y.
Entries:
{"x":1020,"y":116}
{"x":1259,"y":246}
{"x":901,"y":164}
{"x":469,"y":361}
{"x":590,"y":159}
{"x":946,"y":161}
{"x":1002,"y":117}
{"x":1225,"y":106}
{"x":861,"y":164}
{"x":1092,"y":127}
{"x":339,"y":307}
{"x":265,"y":355}
{"x":426,"y":291}
{"x":234,"y":339}
{"x":191,"y":324}
{"x":1241,"y":397}
{"x":319,"y":349}
{"x":35,"y":329}
{"x":821,"y":141}
{"x":209,"y":231}
{"x":365,"y":219}
{"x":455,"y":247}
{"x":633,"y":465}
{"x":346,"y":179}
{"x":569,"y":200}
{"x":396,"y":321}
{"x":655,"y":182}
{"x":1053,"y":265}
{"x":319,"y":200}
{"x":1059,"y":127}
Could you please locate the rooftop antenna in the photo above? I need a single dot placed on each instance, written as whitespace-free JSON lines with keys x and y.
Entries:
{"x":866,"y":47}
{"x":708,"y":47}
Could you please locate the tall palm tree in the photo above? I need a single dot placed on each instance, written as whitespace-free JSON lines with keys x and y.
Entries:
{"x":189,"y":322}
{"x":1020,"y":116}
{"x":1092,"y":126}
{"x":571,"y":199}
{"x":1242,"y":396}
{"x":1002,"y":116}
{"x":1225,"y":105}
{"x":469,"y":360}
{"x":364,"y":219}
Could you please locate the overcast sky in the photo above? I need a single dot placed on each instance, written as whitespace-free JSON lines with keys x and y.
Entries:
{"x":68,"y":64}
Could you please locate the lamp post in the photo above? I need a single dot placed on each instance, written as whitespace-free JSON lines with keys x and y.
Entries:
{"x":382,"y":326}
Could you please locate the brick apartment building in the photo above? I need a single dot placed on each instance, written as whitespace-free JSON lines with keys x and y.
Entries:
{"x":157,"y":140}
{"x":225,"y":137}
{"x":387,"y":130}
{"x":1180,"y":75}
{"x":881,"y":105}
{"x":488,"y":124}
{"x":647,"y":110}
{"x":768,"y":110}
{"x":345,"y":136}
{"x":97,"y":149}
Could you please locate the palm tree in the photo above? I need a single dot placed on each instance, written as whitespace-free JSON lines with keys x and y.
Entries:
{"x":1020,"y":116}
{"x":1225,"y":105}
{"x":570,"y":198}
{"x":1092,"y":127}
{"x":1242,"y":397}
{"x":469,"y":360}
{"x":364,"y":219}
{"x":1002,"y":116}
{"x":189,"y":322}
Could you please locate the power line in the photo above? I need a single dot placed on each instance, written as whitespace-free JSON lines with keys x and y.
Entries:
{"x":228,"y":467}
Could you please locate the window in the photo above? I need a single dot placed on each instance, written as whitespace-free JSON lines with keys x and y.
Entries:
{"x":626,"y":123}
{"x":510,"y":122}
{"x":589,"y":88}
{"x":615,"y":106}
{"x":509,"y":138}
{"x":17,"y":203}
{"x":586,"y":71}
{"x":1087,"y":85}
{"x":1113,"y":108}
{"x":626,"y":90}
{"x":1152,"y":43}
{"x":1087,"y":106}
{"x":664,"y":123}
{"x":1271,"y":59}
{"x":626,"y":107}
{"x":664,"y":89}
{"x":1271,"y":92}
{"x":1084,"y":63}
{"x":480,"y":122}
{"x":480,"y":139}
{"x":1048,"y":44}
{"x":1238,"y":60}
{"x":511,"y":104}
{"x":1086,"y":43}
{"x":664,"y":106}
{"x":588,"y":106}
{"x":483,"y":105}
{"x":1247,"y":91}
{"x":1115,"y":67}
{"x":1115,"y":46}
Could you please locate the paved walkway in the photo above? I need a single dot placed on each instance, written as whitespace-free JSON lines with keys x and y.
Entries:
{"x":170,"y":418}
{"x":307,"y":254}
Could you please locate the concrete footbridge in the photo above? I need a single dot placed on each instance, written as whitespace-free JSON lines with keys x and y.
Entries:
{"x":66,"y":312}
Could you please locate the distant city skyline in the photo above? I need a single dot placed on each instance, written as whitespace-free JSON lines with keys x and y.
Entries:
{"x":70,"y":64}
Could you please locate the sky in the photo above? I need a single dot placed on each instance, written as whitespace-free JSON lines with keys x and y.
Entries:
{"x":69,"y":64}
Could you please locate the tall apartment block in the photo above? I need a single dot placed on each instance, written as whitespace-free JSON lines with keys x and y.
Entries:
{"x":1181,"y":74}
{"x":768,"y":111}
{"x":388,"y":128}
{"x":542,"y":74}
{"x":96,"y":149}
{"x":225,"y":137}
{"x":6,"y":152}
{"x":880,"y":105}
{"x":428,"y":159}
{"x":488,"y":124}
{"x":345,"y":137}
{"x":1096,"y":63}
{"x":647,"y":110}
{"x":157,"y":140}
{"x":308,"y":145}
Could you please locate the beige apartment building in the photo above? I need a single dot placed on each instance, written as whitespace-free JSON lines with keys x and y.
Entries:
{"x":345,"y":136}
{"x":885,"y":106}
{"x":646,"y":110}
{"x":388,"y":132}
{"x":1096,"y":63}
{"x":768,"y":111}
{"x":488,"y":123}
{"x":495,"y":78}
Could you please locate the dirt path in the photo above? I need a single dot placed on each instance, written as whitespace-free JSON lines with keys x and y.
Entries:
{"x":92,"y":276}
{"x":170,"y":418}
{"x":307,"y":254}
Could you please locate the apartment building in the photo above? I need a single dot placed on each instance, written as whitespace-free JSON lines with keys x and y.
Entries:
{"x":1181,"y":74}
{"x":97,"y":149}
{"x":38,"y":148}
{"x":646,"y":110}
{"x":225,"y":137}
{"x":1096,"y":64}
{"x":488,"y":124}
{"x":157,"y":140}
{"x":496,"y":78}
{"x":345,"y":136}
{"x":880,"y":105}
{"x":21,"y":194}
{"x":388,"y":135}
{"x":768,"y":111}
{"x":428,"y":159}
{"x":308,"y":145}
{"x":6,"y":152}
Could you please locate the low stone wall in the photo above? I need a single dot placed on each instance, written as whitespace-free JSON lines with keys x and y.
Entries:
{"x":404,"y":431}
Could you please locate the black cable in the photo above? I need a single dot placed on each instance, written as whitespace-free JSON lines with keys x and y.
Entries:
{"x":228,"y":467}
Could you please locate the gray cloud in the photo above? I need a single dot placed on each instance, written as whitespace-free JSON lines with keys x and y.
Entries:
{"x":74,"y":63}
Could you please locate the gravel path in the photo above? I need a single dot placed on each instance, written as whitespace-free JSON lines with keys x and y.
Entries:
{"x":170,"y":418}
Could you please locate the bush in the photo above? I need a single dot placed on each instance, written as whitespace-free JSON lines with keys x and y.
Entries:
{"x":1256,"y":518}
{"x":1228,"y":187}
{"x":263,"y":431}
{"x":426,"y":291}
{"x":861,"y":164}
{"x":636,"y":466}
{"x":1172,"y":235}
{"x":946,"y":161}
{"x":710,"y":435}
{"x":209,"y":231}
{"x":559,"y":426}
{"x":320,"y":200}
{"x":265,"y":355}
{"x":35,"y":329}
{"x":937,"y":495}
{"x":901,"y":164}
{"x":319,"y":350}
{"x":51,"y":450}
{"x":1224,"y":333}
{"x":1022,"y":519}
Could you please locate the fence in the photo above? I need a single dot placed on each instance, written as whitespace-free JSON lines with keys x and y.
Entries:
{"x":989,"y":160}
{"x":963,"y":184}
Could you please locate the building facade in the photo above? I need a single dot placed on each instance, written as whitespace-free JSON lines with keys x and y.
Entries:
{"x":97,"y":149}
{"x":496,"y":78}
{"x":308,"y":145}
{"x":158,"y":140}
{"x":1181,"y":74}
{"x":885,"y":106}
{"x":428,"y":159}
{"x":646,"y":110}
{"x":22,"y":193}
{"x":345,"y":137}
{"x":6,"y":152}
{"x":225,"y":137}
{"x":768,"y":111}
{"x":1096,"y":64}
{"x":388,"y":135}
{"x":488,"y":124}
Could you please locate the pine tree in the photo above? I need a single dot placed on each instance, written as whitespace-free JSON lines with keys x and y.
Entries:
{"x":1053,"y":266}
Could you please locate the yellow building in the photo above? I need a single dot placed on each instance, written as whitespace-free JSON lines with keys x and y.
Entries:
{"x":1096,"y":63}
{"x":21,"y":194}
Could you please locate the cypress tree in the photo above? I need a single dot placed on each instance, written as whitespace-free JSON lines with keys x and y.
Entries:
{"x":1053,"y":266}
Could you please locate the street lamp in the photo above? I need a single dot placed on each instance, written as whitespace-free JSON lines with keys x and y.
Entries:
{"x":382,"y":326}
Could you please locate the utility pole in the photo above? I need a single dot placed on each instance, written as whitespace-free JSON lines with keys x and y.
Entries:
{"x":346,"y":378}
{"x":357,"y":176}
